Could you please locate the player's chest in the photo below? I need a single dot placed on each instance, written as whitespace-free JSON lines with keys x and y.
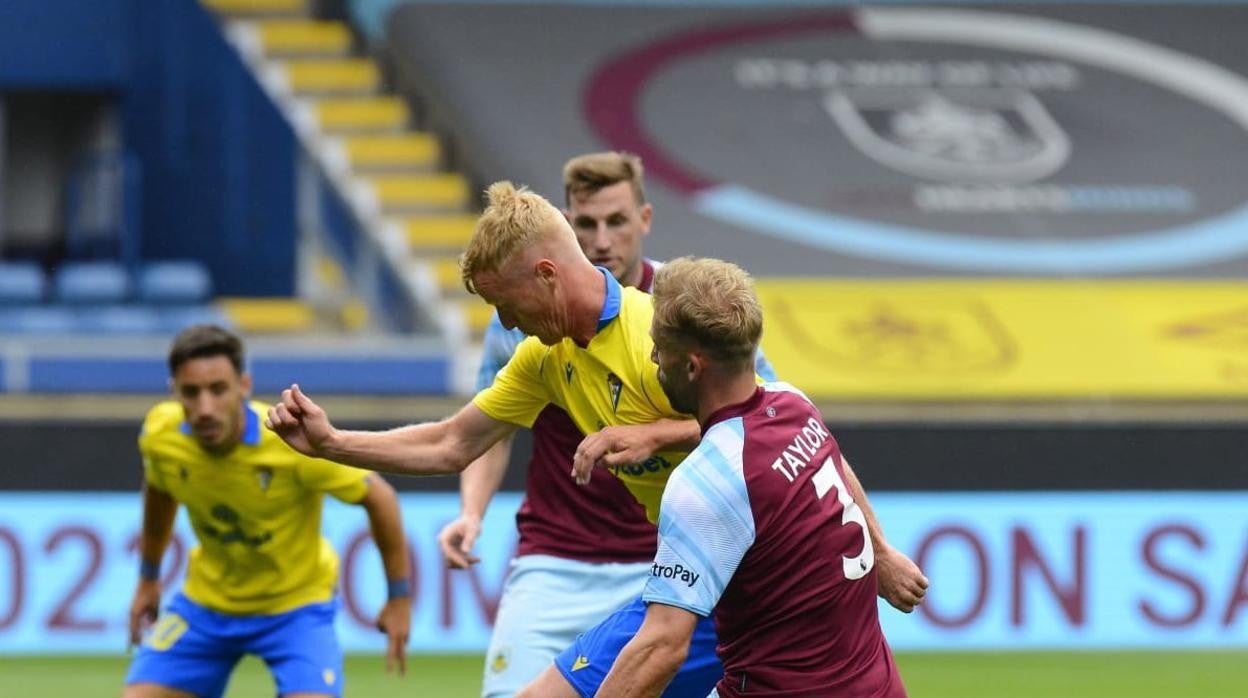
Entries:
{"x":597,"y":394}
{"x":261,"y":489}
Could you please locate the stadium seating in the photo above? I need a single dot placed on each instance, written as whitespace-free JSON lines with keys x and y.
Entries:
{"x":85,"y":283}
{"x":364,"y":133}
{"x":104,"y":297}
{"x":20,"y":283}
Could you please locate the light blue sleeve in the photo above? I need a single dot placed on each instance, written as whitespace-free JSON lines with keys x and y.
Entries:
{"x":497,"y":347}
{"x":706,"y":524}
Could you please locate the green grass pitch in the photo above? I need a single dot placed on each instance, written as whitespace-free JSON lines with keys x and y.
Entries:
{"x":927,"y":675}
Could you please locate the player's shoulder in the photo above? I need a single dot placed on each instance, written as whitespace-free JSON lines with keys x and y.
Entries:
{"x":163,"y":418}
{"x":780,"y":390}
{"x":720,"y":450}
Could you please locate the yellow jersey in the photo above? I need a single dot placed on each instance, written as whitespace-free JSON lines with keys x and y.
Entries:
{"x":610,"y":382}
{"x":256,"y":512}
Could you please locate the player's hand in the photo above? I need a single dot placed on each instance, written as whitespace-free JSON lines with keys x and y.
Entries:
{"x":899,"y":581}
{"x":610,"y":447}
{"x":300,"y":422}
{"x":143,"y":610}
{"x":456,"y":540}
{"x":395,"y":620}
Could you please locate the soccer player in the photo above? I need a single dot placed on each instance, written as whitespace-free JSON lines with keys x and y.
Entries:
{"x":261,"y":579}
{"x":588,"y":353}
{"x":757,"y":525}
{"x":559,"y":585}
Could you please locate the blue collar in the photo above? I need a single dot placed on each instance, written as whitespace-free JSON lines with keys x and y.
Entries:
{"x":251,"y":426}
{"x":615,"y":296}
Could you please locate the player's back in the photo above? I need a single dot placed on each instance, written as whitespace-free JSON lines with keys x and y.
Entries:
{"x":799,"y":615}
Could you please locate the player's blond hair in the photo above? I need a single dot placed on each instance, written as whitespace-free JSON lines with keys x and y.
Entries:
{"x":513,"y":220}
{"x":586,"y":174}
{"x":710,"y":302}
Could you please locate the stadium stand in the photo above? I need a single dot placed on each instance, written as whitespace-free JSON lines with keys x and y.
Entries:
{"x":389,"y":174}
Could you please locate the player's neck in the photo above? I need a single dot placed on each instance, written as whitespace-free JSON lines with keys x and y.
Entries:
{"x":722,"y":389}
{"x":586,"y":298}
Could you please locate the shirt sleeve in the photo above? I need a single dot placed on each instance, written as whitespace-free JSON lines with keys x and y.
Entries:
{"x":497,"y":347}
{"x":705,"y":528}
{"x":344,"y":483}
{"x":518,"y":394}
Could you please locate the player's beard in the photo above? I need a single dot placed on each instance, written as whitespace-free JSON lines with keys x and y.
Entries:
{"x":680,"y":392}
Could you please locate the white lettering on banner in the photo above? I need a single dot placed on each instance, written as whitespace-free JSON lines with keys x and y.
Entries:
{"x":1046,"y":570}
{"x":798,"y":74}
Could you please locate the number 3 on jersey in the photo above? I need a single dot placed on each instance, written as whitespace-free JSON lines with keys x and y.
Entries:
{"x":826,"y":478}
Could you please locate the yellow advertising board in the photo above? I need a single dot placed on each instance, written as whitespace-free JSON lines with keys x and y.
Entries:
{"x":944,"y":339}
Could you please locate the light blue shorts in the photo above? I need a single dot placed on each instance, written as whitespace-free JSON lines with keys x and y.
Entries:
{"x":585,"y":664}
{"x":194,"y":649}
{"x":547,"y":602}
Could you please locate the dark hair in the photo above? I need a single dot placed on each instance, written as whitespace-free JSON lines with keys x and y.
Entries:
{"x":202,"y":341}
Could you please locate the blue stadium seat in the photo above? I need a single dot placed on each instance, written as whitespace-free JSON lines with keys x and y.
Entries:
{"x":20,"y":283}
{"x":91,"y":283}
{"x":174,"y":319}
{"x":37,"y":320}
{"x":118,"y":319}
{"x":174,"y":282}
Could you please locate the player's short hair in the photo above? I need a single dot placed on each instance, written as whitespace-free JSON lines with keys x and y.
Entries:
{"x":586,"y":174}
{"x":203,"y":341}
{"x":513,"y":220}
{"x":710,"y":302}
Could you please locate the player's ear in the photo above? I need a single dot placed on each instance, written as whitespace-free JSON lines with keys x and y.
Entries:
{"x":244,"y":382}
{"x":647,"y":214}
{"x":695,"y":363}
{"x":545,"y":270}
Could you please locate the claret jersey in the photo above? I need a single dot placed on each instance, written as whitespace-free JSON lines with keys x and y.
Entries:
{"x":758,"y":528}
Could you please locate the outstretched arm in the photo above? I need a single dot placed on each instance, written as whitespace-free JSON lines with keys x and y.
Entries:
{"x":386,"y":523}
{"x":900,"y":582}
{"x":477,"y":485}
{"x":159,"y":511}
{"x":435,"y":448}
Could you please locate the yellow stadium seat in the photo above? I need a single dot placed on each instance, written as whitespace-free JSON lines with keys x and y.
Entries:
{"x":258,"y":7}
{"x":449,"y":233}
{"x":268,"y":315}
{"x":434,"y":192}
{"x":370,"y":115}
{"x":407,"y":151}
{"x":446,"y":272}
{"x":477,"y":314}
{"x":342,"y":76}
{"x":304,"y":38}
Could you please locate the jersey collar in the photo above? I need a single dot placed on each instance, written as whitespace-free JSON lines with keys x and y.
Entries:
{"x":251,"y":426}
{"x":615,"y":295}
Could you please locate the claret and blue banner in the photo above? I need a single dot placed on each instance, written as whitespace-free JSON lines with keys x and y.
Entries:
{"x":1069,"y":570}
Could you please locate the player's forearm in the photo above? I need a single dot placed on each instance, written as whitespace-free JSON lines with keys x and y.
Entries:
{"x":482,"y":479}
{"x":159,"y":511}
{"x":878,"y":542}
{"x":674,"y":434}
{"x":385,"y":520}
{"x":417,"y":449}
{"x":644,"y":667}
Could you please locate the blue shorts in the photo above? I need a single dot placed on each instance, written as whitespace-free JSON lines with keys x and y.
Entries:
{"x":585,"y":664}
{"x":194,"y":649}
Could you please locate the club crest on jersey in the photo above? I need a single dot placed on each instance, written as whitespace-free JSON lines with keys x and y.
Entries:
{"x":567,"y":372}
{"x":264,"y":477}
{"x":616,"y":386}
